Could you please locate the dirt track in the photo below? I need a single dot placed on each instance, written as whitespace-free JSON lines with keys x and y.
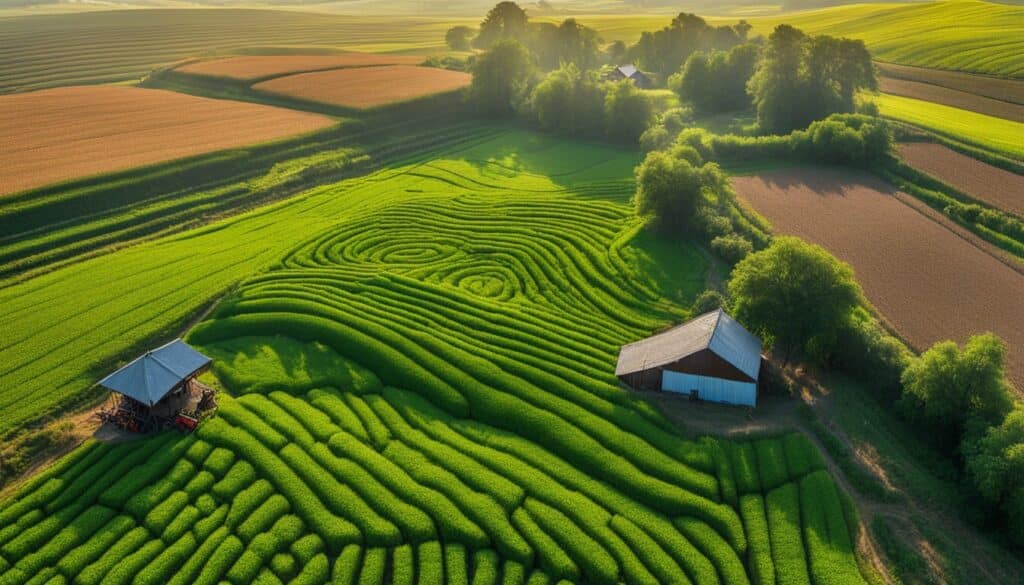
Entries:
{"x":67,"y":133}
{"x":997,"y":187}
{"x":251,"y":67}
{"x":928,"y":282}
{"x":367,"y":87}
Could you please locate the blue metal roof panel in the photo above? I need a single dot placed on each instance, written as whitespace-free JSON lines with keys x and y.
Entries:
{"x":151,"y":376}
{"x":733,"y":343}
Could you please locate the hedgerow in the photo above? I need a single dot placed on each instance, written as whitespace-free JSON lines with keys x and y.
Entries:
{"x":788,"y":556}
{"x":550,"y":555}
{"x":759,"y":563}
{"x":263,"y":517}
{"x":771,"y":463}
{"x":346,"y":566}
{"x":169,"y":562}
{"x":90,"y":550}
{"x":331,"y":404}
{"x":374,"y":564}
{"x":456,"y":565}
{"x":716,"y":549}
{"x":403,"y":567}
{"x":829,"y":549}
{"x":429,"y":563}
{"x":485,"y":568}
{"x":314,"y":572}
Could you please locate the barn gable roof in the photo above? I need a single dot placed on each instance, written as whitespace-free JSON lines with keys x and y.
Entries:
{"x":715,"y":331}
{"x":149,"y":377}
{"x":627,"y":70}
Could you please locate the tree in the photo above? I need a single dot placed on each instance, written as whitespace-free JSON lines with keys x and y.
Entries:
{"x":777,"y":85}
{"x":665,"y":51}
{"x":627,"y":112}
{"x":568,"y":42}
{"x":669,"y":191}
{"x":458,"y":38}
{"x":569,"y":101}
{"x":717,"y":81}
{"x":801,"y":79}
{"x":501,"y":77}
{"x":995,"y":466}
{"x":795,"y":294}
{"x":505,"y":21}
{"x":953,"y":391}
{"x":616,"y":52}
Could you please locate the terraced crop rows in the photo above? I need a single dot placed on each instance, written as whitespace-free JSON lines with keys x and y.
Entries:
{"x":423,"y":393}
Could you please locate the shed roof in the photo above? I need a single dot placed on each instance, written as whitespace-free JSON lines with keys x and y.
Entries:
{"x":627,"y":70}
{"x":715,"y":331}
{"x":149,"y":377}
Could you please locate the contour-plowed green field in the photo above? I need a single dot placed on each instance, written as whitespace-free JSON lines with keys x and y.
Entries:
{"x":422,"y":392}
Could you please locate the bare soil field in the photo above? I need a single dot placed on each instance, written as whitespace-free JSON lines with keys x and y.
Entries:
{"x":254,"y":67}
{"x":60,"y":134}
{"x":953,"y":98}
{"x":930,"y":283}
{"x":1007,"y":90}
{"x":984,"y":182}
{"x":367,"y":87}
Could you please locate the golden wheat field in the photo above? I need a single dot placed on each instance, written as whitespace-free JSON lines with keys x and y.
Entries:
{"x":55,"y":135}
{"x":253,"y":67}
{"x":367,"y":87}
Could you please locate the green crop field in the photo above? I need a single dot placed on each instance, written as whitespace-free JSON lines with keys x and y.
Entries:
{"x":419,"y":365}
{"x":995,"y":134}
{"x":93,"y":47}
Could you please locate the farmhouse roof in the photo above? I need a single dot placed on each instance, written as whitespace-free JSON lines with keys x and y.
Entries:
{"x":627,"y":70}
{"x":715,"y":331}
{"x":149,"y":377}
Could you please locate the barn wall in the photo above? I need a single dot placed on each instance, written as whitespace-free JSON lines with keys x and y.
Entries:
{"x":706,"y":363}
{"x":710,"y":389}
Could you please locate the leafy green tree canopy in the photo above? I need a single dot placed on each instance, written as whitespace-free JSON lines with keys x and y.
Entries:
{"x":501,"y":77}
{"x":568,"y":42}
{"x":458,"y":38}
{"x":569,"y":101}
{"x":628,"y":112}
{"x":717,"y":81}
{"x":665,"y":51}
{"x":953,"y":390}
{"x":995,"y":465}
{"x":505,"y":21}
{"x":671,"y":188}
{"x":795,"y":294}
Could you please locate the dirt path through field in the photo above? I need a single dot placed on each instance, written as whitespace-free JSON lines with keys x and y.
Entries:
{"x":997,"y":187}
{"x":928,"y":282}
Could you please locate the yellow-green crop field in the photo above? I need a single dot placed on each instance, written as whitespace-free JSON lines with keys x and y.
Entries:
{"x":114,"y":46}
{"x":996,"y":134}
{"x":419,"y":365}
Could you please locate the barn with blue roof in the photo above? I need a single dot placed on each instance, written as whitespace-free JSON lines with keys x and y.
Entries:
{"x":711,"y":357}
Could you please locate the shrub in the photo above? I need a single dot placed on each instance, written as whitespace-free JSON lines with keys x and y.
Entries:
{"x":485,"y":567}
{"x":801,"y":456}
{"x":732,"y":248}
{"x":285,"y":566}
{"x":240,"y":475}
{"x":403,"y":568}
{"x":181,"y":524}
{"x":189,"y":571}
{"x":346,"y":566}
{"x":456,"y":564}
{"x":374,"y":563}
{"x":75,"y":561}
{"x":430,"y":563}
{"x":314,"y":572}
{"x":783,"y":507}
{"x":762,"y":570}
{"x":268,"y":512}
{"x":708,"y":301}
{"x":219,"y":461}
{"x":248,"y":500}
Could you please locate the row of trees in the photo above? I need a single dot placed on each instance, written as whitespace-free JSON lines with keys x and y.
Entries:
{"x":551,"y":44}
{"x":569,"y":100}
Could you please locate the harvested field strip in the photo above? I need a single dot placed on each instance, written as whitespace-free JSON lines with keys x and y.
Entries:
{"x":928,"y":282}
{"x":420,"y":393}
{"x":997,"y":187}
{"x":99,"y":129}
{"x":1006,"y":90}
{"x":252,"y":67}
{"x":953,"y":98}
{"x":366,"y":87}
{"x":995,"y":134}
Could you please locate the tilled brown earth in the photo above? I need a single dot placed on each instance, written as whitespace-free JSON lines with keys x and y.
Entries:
{"x":984,"y":182}
{"x":930,"y":283}
{"x":1000,"y":88}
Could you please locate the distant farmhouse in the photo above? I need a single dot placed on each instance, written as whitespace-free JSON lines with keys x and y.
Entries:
{"x":710,"y":358}
{"x":639,"y":78}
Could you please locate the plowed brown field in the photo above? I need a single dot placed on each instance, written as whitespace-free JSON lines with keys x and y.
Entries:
{"x":61,"y":134}
{"x":928,"y":282}
{"x":252,"y":67}
{"x":984,"y":182}
{"x":953,"y":98}
{"x":367,"y":87}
